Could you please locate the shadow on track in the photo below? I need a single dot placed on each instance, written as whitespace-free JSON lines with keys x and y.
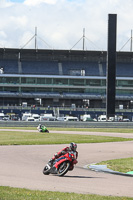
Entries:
{"x":66,"y":176}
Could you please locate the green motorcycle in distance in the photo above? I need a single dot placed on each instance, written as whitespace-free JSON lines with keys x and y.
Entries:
{"x":42,"y":128}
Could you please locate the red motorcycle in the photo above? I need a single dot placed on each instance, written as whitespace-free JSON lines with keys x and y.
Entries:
{"x":61,"y":165}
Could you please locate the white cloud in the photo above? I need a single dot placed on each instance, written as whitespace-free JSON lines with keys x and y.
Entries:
{"x":37,"y":2}
{"x":60,"y":23}
{"x":5,"y":3}
{"x":19,"y":20}
{"x":3,"y":35}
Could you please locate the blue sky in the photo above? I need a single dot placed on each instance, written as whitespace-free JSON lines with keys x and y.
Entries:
{"x":60,"y":23}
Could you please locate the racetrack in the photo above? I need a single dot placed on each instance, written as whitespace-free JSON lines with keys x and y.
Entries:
{"x":21,"y":166}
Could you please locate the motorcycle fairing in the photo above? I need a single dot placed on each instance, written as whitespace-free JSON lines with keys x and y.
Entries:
{"x":53,"y":170}
{"x":59,"y":161}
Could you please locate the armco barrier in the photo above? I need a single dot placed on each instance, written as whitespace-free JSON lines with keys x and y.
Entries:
{"x":68,"y":124}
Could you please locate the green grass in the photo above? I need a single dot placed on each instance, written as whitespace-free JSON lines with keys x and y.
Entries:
{"x":8,"y":193}
{"x":111,"y":130}
{"x":36,"y":138}
{"x":121,"y":165}
{"x":108,"y":130}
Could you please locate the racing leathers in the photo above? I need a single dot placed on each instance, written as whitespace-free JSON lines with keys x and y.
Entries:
{"x":63,"y":152}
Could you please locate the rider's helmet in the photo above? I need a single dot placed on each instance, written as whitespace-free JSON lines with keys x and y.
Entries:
{"x":73,"y":146}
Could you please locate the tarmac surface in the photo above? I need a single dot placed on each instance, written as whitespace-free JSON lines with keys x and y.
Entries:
{"x":21,"y":166}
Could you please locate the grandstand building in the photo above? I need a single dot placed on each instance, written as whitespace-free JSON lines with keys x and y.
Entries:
{"x":62,"y":78}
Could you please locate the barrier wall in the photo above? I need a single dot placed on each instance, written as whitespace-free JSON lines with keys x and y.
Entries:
{"x":68,"y":124}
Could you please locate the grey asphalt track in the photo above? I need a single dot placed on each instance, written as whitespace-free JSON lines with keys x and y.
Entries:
{"x":21,"y":166}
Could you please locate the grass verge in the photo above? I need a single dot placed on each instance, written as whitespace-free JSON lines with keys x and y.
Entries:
{"x":108,"y":130}
{"x":8,"y":193}
{"x":36,"y":138}
{"x":121,"y":165}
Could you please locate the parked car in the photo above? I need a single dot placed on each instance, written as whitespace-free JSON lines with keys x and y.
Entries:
{"x":60,"y":118}
{"x":126,"y":120}
{"x":6,"y":118}
{"x":30,"y":119}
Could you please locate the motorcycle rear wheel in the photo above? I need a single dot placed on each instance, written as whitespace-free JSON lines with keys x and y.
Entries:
{"x":63,"y":168}
{"x":46,"y":170}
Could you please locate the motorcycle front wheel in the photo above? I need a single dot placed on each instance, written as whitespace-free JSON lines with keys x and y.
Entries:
{"x":63,"y":168}
{"x":46,"y":170}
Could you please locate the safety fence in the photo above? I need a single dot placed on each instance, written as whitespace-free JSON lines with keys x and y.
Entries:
{"x":66,"y":124}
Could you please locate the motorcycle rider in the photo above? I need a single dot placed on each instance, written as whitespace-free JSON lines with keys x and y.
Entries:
{"x":72,"y":147}
{"x":40,"y":127}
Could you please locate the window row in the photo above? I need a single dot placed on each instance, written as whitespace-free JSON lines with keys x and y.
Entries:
{"x":92,"y":91}
{"x":63,"y":81}
{"x":53,"y":81}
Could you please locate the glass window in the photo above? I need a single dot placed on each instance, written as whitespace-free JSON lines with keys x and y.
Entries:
{"x":60,"y":90}
{"x":1,"y":80}
{"x":93,"y":82}
{"x":124,"y":83}
{"x":74,"y":90}
{"x":11,"y":89}
{"x":43,"y":89}
{"x":77,"y":82}
{"x":27,"y":89}
{"x":48,"y":80}
{"x":41,"y":81}
{"x":124,"y":92}
{"x":1,"y":88}
{"x":28,"y":80}
{"x":95,"y":91}
{"x":103,"y":82}
{"x":12,"y":80}
{"x":60,"y":81}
